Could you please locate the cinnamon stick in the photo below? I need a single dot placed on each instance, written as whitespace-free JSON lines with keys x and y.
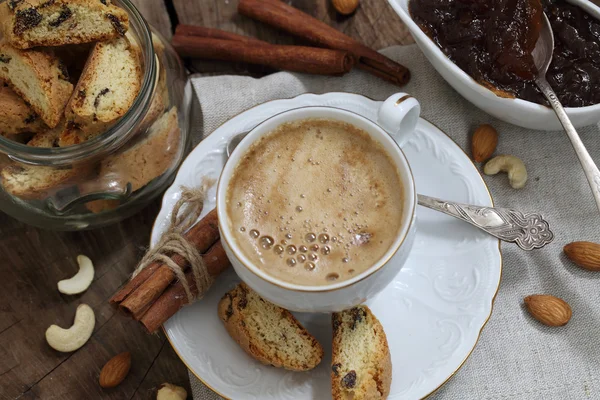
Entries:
{"x":201,"y":31}
{"x":137,"y":295}
{"x":134,"y":283}
{"x":310,"y":60}
{"x":174,"y":298}
{"x":287,"y":18}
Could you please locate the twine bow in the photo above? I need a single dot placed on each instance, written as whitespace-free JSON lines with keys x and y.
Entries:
{"x":185,"y":213}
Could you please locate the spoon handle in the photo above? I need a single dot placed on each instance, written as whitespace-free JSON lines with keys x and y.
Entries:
{"x":589,"y":167}
{"x":529,"y":231}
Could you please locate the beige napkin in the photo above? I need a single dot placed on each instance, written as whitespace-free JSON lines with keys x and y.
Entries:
{"x":516,"y":357}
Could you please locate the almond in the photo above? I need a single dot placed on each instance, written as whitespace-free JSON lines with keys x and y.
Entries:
{"x":584,"y":254}
{"x":484,"y":142}
{"x":115,"y":370}
{"x":548,"y":310}
{"x":345,"y":7}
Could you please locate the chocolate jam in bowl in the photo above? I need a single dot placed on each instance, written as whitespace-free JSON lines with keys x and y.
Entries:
{"x":492,"y":42}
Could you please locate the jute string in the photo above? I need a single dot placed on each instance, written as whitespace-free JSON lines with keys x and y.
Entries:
{"x":186,"y":212}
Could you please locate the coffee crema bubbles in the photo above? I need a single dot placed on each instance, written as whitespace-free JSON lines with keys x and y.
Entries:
{"x":295,"y":254}
{"x":314,"y":202}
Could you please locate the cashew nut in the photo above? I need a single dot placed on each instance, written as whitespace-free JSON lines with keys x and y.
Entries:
{"x":168,"y":391}
{"x":82,"y":280}
{"x":517,"y":174}
{"x":67,"y":340}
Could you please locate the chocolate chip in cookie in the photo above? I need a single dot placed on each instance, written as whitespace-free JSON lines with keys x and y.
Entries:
{"x":26,"y":19}
{"x":349,"y":380}
{"x":65,"y":14}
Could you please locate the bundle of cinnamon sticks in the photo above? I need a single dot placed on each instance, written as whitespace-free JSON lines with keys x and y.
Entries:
{"x":154,"y":295}
{"x":336,"y":53}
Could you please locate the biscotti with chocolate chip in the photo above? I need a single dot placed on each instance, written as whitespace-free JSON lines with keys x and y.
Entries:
{"x":71,"y":135}
{"x":49,"y":137}
{"x":149,"y":158}
{"x":33,"y":23}
{"x":267,"y":332}
{"x":36,"y":182}
{"x":16,"y":116}
{"x":108,"y":85}
{"x":40,"y":78}
{"x":361,"y":367}
{"x":30,"y":182}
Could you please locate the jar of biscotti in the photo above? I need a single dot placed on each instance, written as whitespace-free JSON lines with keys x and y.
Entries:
{"x":93,"y":112}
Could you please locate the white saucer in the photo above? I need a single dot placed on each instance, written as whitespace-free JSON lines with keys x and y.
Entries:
{"x":432,"y":313}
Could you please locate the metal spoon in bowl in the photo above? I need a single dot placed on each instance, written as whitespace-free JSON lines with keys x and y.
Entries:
{"x":529,"y":231}
{"x":542,"y":56}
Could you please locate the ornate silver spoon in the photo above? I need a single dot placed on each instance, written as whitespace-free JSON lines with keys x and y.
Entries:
{"x":542,"y":56}
{"x":529,"y":231}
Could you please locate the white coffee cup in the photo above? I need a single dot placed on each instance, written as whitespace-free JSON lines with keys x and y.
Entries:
{"x":397,"y":119}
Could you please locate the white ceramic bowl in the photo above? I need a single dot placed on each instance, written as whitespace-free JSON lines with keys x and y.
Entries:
{"x":515,"y":111}
{"x":399,"y":114}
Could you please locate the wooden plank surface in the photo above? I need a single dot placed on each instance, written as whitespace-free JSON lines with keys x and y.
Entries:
{"x":155,"y":12}
{"x":374,"y":23}
{"x":32,"y":261}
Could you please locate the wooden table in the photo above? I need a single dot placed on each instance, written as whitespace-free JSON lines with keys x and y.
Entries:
{"x":33,"y":260}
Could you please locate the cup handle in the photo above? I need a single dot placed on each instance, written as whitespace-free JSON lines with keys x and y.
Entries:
{"x":398,"y":115}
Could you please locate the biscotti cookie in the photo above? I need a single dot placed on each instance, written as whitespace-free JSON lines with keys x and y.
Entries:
{"x":163,"y":65}
{"x":160,"y":100}
{"x":39,"y":78}
{"x":49,"y":137}
{"x":32,"y":23}
{"x":149,"y":158}
{"x":16,"y":116}
{"x":361,"y":367}
{"x":268,"y":333}
{"x":33,"y":182}
{"x":157,"y":108}
{"x":98,"y":206}
{"x":107,"y":87}
{"x":71,"y":135}
{"x":78,"y":133}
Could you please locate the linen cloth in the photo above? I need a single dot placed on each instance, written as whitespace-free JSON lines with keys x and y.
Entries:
{"x":516,"y":357}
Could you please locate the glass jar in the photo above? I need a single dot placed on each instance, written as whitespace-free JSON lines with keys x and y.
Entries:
{"x":115,"y":174}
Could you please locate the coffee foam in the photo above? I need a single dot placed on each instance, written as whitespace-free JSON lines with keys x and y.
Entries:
{"x":315,"y":201}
